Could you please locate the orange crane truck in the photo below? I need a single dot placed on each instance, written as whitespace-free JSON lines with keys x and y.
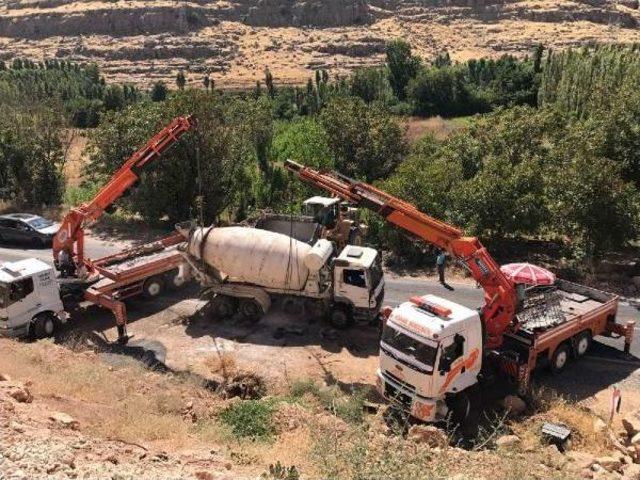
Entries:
{"x":438,"y":359}
{"x":32,"y":301}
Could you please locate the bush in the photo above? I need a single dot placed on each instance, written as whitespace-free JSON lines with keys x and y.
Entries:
{"x":365,"y":140}
{"x":250,"y":419}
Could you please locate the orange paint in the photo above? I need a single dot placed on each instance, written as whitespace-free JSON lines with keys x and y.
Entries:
{"x":456,"y":369}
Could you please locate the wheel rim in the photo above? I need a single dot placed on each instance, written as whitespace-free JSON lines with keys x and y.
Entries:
{"x":561,"y":359}
{"x":48,"y":326}
{"x":153,"y":289}
{"x":178,"y":281}
{"x":250,"y":309}
{"x":583,"y":345}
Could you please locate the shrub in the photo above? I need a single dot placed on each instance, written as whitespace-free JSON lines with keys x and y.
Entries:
{"x":251,"y":419}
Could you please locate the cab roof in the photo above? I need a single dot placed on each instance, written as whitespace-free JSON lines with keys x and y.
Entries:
{"x":11,"y":271}
{"x":364,"y":256}
{"x":324,"y":201}
{"x":427,"y":324}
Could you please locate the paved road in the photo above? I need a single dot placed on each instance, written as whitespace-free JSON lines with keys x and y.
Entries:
{"x":398,"y":290}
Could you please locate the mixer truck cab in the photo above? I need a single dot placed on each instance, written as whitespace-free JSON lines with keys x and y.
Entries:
{"x":430,"y":351}
{"x":358,"y":283}
{"x":30,"y":301}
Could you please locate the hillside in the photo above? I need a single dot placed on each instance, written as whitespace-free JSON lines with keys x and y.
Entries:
{"x":234,"y":41}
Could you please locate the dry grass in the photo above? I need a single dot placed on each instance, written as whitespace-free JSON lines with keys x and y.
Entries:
{"x":440,"y":128}
{"x":556,"y":409}
{"x":127,"y":403}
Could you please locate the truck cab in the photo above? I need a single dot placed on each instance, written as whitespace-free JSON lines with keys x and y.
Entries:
{"x":358,"y":284}
{"x":30,"y":303}
{"x":430,"y":351}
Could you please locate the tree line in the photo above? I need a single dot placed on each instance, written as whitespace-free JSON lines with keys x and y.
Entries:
{"x":527,"y":166}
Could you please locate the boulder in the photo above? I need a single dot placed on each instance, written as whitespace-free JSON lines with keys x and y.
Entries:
{"x":514,"y":404}
{"x":609,"y":463}
{"x":599,"y":425}
{"x":635,"y":440}
{"x":4,"y":377}
{"x":581,"y":460}
{"x":64,"y":420}
{"x":428,"y":435}
{"x":631,"y":423}
{"x":508,"y":442}
{"x":19,"y":392}
{"x":631,"y":472}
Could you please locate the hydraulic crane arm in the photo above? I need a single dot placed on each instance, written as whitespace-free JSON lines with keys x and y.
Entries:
{"x":498,"y":311}
{"x":70,"y":237}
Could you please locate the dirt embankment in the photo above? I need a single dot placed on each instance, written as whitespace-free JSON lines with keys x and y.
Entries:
{"x":143,"y":41}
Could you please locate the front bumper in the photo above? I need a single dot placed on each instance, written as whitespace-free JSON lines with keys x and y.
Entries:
{"x":7,"y":331}
{"x":404,"y":396}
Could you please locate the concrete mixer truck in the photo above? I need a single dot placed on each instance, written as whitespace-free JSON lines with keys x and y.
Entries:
{"x":245,"y":269}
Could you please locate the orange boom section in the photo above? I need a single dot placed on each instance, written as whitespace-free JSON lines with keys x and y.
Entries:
{"x":70,"y":237}
{"x":500,"y":298}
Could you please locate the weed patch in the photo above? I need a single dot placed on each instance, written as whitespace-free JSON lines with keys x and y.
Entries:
{"x":250,"y":419}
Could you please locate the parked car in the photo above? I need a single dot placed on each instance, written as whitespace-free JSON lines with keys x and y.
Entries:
{"x":27,"y":228}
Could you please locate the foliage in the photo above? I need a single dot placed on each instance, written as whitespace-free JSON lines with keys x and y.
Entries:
{"x":402,"y":65}
{"x":588,"y":79}
{"x":158,"y":92}
{"x":32,"y":156}
{"x":371,"y":84}
{"x":210,"y":170}
{"x":278,"y":471}
{"x":347,"y":406}
{"x":366,"y":141}
{"x":251,"y":419}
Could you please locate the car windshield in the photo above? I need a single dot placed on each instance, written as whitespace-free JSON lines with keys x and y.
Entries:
{"x":40,"y":222}
{"x":421,"y":352}
{"x":4,"y":295}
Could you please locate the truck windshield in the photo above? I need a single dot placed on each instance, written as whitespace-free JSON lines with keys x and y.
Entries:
{"x":376,"y":272}
{"x":421,"y":352}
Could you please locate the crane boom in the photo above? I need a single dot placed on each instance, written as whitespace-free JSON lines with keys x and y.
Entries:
{"x":70,"y":237}
{"x":500,"y":298}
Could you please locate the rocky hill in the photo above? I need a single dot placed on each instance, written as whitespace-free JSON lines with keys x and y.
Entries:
{"x":234,"y":40}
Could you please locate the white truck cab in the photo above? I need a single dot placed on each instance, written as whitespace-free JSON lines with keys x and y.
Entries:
{"x":30,"y":301}
{"x":430,"y":351}
{"x":358,"y":281}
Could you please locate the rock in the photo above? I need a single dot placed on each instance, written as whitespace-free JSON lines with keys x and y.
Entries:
{"x":513,"y":404}
{"x":609,"y":463}
{"x":204,"y":476}
{"x":428,"y":435}
{"x":635,"y":440}
{"x":581,"y":460}
{"x":631,"y":472}
{"x":599,"y":425}
{"x":17,"y":427}
{"x":65,"y":420}
{"x":631,"y":423}
{"x":508,"y":442}
{"x":4,"y":377}
{"x":17,"y":391}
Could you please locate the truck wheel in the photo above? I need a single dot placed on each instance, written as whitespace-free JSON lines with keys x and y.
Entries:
{"x":341,"y":318}
{"x":560,"y":358}
{"x":152,"y":287}
{"x":582,"y":344}
{"x":250,"y":309}
{"x":464,"y":414}
{"x":44,"y":325}
{"x":223,"y":306}
{"x":314,"y":309}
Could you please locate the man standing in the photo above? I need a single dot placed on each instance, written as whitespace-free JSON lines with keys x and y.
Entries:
{"x":441,"y":260}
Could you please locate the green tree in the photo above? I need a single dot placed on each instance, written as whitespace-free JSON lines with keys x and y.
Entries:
{"x":268,"y":81}
{"x":114,"y":98}
{"x":211,"y":169}
{"x":403,"y":66}
{"x":592,"y":205}
{"x":181,"y":80}
{"x":159,"y":92}
{"x":365,"y":140}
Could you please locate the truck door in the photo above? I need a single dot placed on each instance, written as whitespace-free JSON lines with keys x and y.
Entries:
{"x":458,"y":364}
{"x":23,"y":304}
{"x":352,"y":285}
